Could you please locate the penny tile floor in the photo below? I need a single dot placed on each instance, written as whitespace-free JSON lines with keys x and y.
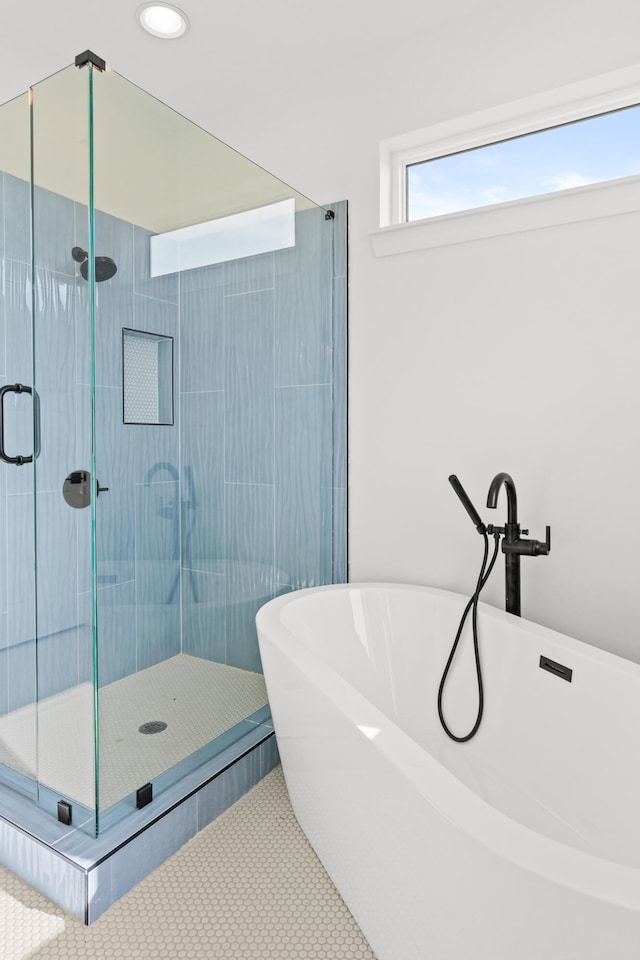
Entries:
{"x":248,"y":887}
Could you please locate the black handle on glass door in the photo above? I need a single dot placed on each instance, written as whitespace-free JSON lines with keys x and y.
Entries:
{"x":19,"y":460}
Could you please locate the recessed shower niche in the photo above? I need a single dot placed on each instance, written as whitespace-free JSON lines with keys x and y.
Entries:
{"x":147,"y":377}
{"x":200,"y":406}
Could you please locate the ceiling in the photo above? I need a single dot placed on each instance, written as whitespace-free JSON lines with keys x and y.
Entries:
{"x":238,"y":53}
{"x":233,"y":50}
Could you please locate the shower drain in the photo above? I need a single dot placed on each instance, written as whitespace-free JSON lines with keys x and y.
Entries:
{"x":153,"y":726}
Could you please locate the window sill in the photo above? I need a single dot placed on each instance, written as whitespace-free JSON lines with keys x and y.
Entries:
{"x":614,"y":198}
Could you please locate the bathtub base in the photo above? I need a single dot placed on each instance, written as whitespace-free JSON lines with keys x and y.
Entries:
{"x":418,"y":887}
{"x":428,"y":866}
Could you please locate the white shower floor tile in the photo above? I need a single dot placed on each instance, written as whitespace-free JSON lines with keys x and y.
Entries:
{"x":248,"y":887}
{"x":197,"y":699}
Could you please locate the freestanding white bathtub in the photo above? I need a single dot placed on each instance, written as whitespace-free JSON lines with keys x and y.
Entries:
{"x":521,"y":844}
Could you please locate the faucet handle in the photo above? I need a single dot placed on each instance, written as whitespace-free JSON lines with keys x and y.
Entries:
{"x":528,"y":548}
{"x":542,"y":549}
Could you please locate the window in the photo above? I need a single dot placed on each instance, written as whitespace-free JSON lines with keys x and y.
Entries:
{"x":582,"y":152}
{"x":561,"y":156}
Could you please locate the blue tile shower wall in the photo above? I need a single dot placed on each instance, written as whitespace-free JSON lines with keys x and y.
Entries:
{"x":138,"y":519}
{"x":266,"y":490}
{"x":239,"y":500}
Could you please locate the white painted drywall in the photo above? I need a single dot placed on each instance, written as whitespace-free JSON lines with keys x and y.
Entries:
{"x":516,"y":353}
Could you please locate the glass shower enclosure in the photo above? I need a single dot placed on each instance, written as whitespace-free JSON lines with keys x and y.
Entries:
{"x":172,"y":434}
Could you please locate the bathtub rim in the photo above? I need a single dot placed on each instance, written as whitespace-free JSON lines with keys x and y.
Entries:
{"x":586,"y":873}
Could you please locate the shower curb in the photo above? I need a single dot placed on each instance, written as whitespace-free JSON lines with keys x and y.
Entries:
{"x":86,"y":876}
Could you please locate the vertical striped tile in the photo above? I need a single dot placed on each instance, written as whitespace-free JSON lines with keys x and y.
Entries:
{"x":250,"y":572}
{"x":157,"y":569}
{"x":4,"y":669}
{"x":249,"y":382}
{"x":221,"y":793}
{"x":202,"y":456}
{"x":57,"y":662}
{"x":55,"y":376}
{"x":17,"y":211}
{"x":204,"y":614}
{"x":40,"y":866}
{"x":113,"y":298}
{"x":18,"y":422}
{"x":269,"y":756}
{"x":20,"y":573}
{"x":340,"y":238}
{"x":303,"y":485}
{"x":54,"y":232}
{"x":21,"y":676}
{"x":339,"y":376}
{"x":159,"y":288}
{"x":203,"y":278}
{"x":303,"y":303}
{"x":202,"y":341}
{"x":116,"y":632}
{"x":147,"y":851}
{"x":115,"y":508}
{"x":249,"y":274}
{"x":3,"y":357}
{"x":85,"y":638}
{"x":57,"y":572}
{"x":4,"y":555}
{"x":157,"y":632}
{"x":249,"y":521}
{"x":157,"y":540}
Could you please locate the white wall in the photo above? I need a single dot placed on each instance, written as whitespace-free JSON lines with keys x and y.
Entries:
{"x":517,"y":353}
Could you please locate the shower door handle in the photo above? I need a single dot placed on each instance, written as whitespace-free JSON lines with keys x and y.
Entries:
{"x":19,"y":388}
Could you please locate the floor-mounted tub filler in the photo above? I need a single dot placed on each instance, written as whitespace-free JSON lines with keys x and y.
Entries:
{"x":525,"y":841}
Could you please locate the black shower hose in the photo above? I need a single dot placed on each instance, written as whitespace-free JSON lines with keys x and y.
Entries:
{"x":472,"y":604}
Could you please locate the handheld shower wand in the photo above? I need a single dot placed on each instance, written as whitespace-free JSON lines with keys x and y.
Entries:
{"x":472,"y":605}
{"x":466,"y":503}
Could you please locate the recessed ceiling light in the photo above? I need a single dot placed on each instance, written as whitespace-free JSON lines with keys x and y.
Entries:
{"x":162,"y":20}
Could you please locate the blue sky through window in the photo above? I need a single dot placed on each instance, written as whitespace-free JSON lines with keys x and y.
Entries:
{"x":587,"y":151}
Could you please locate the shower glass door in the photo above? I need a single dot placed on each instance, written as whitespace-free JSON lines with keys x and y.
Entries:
{"x":64,"y":472}
{"x":47,"y":701}
{"x":18,"y":717}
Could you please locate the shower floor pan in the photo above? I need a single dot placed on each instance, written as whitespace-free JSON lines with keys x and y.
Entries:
{"x":200,"y":702}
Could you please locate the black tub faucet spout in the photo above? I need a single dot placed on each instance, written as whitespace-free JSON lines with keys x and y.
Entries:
{"x":513,"y":545}
{"x":503,"y":479}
